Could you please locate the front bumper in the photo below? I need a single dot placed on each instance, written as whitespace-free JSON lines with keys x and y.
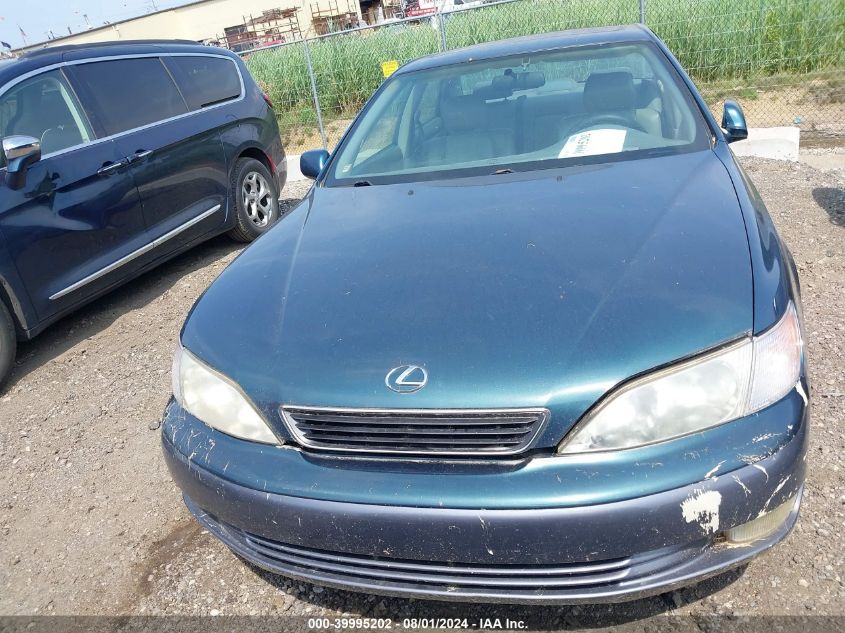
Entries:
{"x":592,"y":553}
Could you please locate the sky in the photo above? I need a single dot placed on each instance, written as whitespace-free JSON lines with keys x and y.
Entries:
{"x":38,"y":17}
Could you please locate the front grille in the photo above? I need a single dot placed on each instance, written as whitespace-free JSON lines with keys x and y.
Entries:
{"x":525,"y":577}
{"x":549,"y":582}
{"x":416,"y":431}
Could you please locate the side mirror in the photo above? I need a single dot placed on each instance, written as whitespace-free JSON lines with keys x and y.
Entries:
{"x":21,"y":153}
{"x":733,"y":122}
{"x":311,"y":163}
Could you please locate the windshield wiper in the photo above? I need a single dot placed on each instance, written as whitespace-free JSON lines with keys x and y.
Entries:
{"x":505,"y":170}
{"x":362,"y":183}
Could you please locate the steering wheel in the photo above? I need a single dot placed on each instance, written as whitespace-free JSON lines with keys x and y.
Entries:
{"x":612,"y":119}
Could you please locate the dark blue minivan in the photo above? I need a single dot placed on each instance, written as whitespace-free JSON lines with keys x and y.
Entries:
{"x":116,"y":157}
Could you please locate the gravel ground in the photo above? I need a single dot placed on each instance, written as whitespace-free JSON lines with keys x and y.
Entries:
{"x":90,"y":522}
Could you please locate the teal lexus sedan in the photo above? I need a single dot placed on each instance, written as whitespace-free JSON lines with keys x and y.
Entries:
{"x":530,"y":337}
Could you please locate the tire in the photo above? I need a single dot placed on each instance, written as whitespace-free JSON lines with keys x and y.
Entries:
{"x":8,"y":342}
{"x":254,"y":196}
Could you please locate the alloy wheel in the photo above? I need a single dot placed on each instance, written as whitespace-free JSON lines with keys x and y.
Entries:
{"x":257,"y":198}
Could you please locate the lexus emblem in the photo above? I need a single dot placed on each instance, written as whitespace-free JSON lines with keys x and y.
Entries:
{"x":406,"y":378}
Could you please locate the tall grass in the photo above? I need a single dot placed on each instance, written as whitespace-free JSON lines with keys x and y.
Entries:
{"x":715,"y":40}
{"x":719,"y":39}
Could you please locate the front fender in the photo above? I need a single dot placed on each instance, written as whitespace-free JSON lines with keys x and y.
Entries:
{"x":14,"y":294}
{"x":215,"y":331}
{"x":775,"y":277}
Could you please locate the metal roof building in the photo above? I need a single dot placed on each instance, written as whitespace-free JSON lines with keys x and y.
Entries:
{"x":236,"y":24}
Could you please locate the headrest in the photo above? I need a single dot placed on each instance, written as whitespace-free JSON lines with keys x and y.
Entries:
{"x":647,"y":92}
{"x":462,"y":113}
{"x":609,"y":91}
{"x":531,"y":80}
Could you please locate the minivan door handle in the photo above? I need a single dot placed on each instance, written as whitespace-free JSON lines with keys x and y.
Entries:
{"x":141,"y":154}
{"x":109,"y":167}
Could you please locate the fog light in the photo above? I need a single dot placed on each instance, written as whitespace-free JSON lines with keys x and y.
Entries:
{"x":763,"y":525}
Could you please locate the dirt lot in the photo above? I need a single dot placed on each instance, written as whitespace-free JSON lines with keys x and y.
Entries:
{"x":90,"y":522}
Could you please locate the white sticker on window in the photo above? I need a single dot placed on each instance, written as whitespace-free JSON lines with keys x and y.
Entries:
{"x":594,"y":142}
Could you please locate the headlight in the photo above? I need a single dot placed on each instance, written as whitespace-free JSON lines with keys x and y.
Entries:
{"x":216,"y":400}
{"x":701,"y":393}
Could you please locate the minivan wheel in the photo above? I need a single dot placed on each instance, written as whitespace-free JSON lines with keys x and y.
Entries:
{"x":8,"y":342}
{"x":255,"y":198}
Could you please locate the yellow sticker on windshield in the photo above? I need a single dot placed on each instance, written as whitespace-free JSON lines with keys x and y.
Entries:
{"x":389,"y":67}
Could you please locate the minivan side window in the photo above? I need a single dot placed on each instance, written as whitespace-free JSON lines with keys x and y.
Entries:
{"x":205,"y":80}
{"x":123,"y":94}
{"x":44,"y":107}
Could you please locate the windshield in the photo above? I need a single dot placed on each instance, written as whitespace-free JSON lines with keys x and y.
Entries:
{"x":552,"y":108}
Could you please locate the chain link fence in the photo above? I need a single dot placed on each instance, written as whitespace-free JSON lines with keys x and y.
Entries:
{"x":783,"y":60}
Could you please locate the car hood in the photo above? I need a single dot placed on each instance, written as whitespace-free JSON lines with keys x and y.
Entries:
{"x":517,"y":290}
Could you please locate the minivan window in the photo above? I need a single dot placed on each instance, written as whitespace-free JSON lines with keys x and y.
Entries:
{"x":44,"y":107}
{"x":205,"y":80}
{"x":123,"y":94}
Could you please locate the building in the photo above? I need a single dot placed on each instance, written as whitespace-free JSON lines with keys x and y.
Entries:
{"x":236,"y":24}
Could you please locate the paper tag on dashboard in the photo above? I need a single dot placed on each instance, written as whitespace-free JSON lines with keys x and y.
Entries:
{"x":594,"y":142}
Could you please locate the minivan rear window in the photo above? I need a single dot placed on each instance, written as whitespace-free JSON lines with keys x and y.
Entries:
{"x":205,"y":80}
{"x":123,"y":94}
